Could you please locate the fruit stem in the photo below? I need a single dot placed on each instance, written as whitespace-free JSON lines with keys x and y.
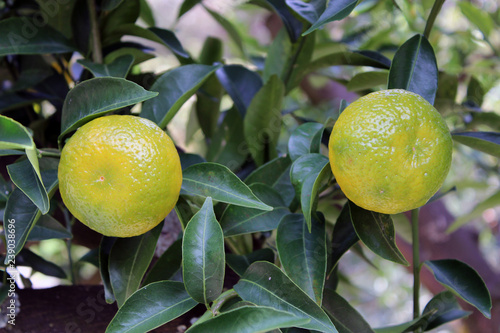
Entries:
{"x":416,"y":263}
{"x":436,"y":8}
{"x":69,"y":225}
{"x":96,"y":38}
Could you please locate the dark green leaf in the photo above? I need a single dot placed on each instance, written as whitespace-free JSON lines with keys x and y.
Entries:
{"x":303,"y":253}
{"x":304,"y":166}
{"x":464,"y":280}
{"x":310,"y":191}
{"x":310,"y":11}
{"x":104,"y":250}
{"x":487,"y":142}
{"x":127,"y":12}
{"x":91,"y":257}
{"x":414,"y":68}
{"x":169,"y":39}
{"x":26,"y":179}
{"x":174,"y":87}
{"x":128,"y":261}
{"x":490,"y":202}
{"x":344,"y":236}
{"x":30,"y":259}
{"x":240,"y":263}
{"x":186,"y":6}
{"x":376,"y":231}
{"x":150,"y":307}
{"x":410,"y":326}
{"x":230,"y":29}
{"x":110,"y":4}
{"x":305,"y":139}
{"x":9,"y":152}
{"x":248,"y":319}
{"x":240,"y":83}
{"x":167,"y":265}
{"x":217,"y":181}
{"x":118,"y":68}
{"x":336,"y":10}
{"x":445,"y":309}
{"x":203,"y":260}
{"x":238,"y":220}
{"x":95,"y":97}
{"x":262,"y":122}
{"x":80,"y":26}
{"x":367,"y":80}
{"x":146,"y":13}
{"x":47,"y":228}
{"x":292,"y":24}
{"x":23,"y":211}
{"x":264,"y":284}
{"x":23,"y":36}
{"x":343,"y":315}
{"x":276,"y":174}
{"x":14,"y":135}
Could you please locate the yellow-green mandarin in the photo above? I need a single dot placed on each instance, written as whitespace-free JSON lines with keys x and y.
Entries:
{"x":120,"y":175}
{"x":390,"y":151}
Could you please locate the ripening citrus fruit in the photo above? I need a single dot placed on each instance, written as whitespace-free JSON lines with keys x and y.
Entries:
{"x":120,"y":175}
{"x":390,"y":151}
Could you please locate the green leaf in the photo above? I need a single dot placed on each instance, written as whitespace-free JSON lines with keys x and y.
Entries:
{"x":343,"y":237}
{"x":23,"y":211}
{"x":264,"y":284}
{"x":118,"y":68}
{"x":445,"y":309}
{"x":376,"y":231}
{"x":303,"y":167}
{"x":217,"y":181}
{"x":478,"y":17}
{"x":490,"y":202}
{"x":343,"y":315}
{"x":308,"y":11}
{"x":104,"y":250}
{"x":241,"y":85}
{"x":150,"y":307}
{"x":262,"y":122}
{"x":302,"y":253}
{"x":240,"y":263}
{"x":275,"y":173}
{"x":292,"y":24}
{"x":127,"y":12}
{"x":487,"y":142}
{"x":410,"y":326}
{"x":13,"y":135}
{"x":336,"y":10}
{"x":475,"y":93}
{"x":128,"y":261}
{"x":23,"y":36}
{"x":305,"y":139}
{"x":39,"y":264}
{"x":146,"y":14}
{"x":110,"y":4}
{"x":48,"y":227}
{"x":414,"y":68}
{"x":348,"y":58}
{"x":463,"y":280}
{"x":10,"y":152}
{"x":169,"y":39}
{"x":237,"y":220}
{"x":203,"y":260}
{"x":242,"y":320}
{"x":277,"y":56}
{"x":232,"y":32}
{"x":174,"y":87}
{"x":186,"y":6}
{"x":167,"y":265}
{"x":95,"y":97}
{"x":310,"y":191}
{"x":26,"y":179}
{"x":367,"y":80}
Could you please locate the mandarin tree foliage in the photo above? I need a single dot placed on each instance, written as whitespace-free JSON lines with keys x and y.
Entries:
{"x":262,"y":238}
